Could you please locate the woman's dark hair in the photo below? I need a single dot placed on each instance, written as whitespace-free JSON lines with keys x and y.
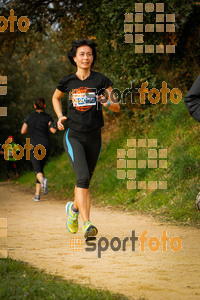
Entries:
{"x":40,"y":102}
{"x":79,"y":43}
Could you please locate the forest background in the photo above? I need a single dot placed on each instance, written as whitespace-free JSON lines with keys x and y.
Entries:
{"x":35,"y":60}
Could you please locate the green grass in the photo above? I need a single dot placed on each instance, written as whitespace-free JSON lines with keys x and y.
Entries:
{"x":20,"y":281}
{"x":174,"y":130}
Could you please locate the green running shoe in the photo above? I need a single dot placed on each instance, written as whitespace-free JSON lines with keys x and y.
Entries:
{"x":72,"y":220}
{"x":89,"y":229}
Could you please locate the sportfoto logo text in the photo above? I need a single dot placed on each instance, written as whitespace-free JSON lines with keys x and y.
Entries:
{"x":153,"y":95}
{"x":22,"y":23}
{"x":39,"y":150}
{"x":116,"y":244}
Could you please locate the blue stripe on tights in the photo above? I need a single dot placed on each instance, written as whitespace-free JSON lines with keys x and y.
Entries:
{"x":70,"y":150}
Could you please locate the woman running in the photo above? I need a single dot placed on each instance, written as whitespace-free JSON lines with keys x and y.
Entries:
{"x":82,"y":139}
{"x":37,"y":125}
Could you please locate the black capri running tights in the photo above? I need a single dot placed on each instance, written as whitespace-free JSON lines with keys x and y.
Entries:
{"x":38,"y":165}
{"x":83,"y":149}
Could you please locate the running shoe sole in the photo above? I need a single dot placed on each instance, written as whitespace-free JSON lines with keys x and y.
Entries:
{"x":67,"y":207}
{"x":90,"y":231}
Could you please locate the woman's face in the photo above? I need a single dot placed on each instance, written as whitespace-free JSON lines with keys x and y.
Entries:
{"x":84,"y":57}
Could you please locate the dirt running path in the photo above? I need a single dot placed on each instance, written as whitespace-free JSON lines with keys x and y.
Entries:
{"x":37,"y":235}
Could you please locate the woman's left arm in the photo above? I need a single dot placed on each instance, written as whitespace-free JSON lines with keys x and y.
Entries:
{"x":24,"y":129}
{"x":110,"y":100}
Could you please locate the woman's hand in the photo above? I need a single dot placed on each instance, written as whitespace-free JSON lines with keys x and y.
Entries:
{"x":60,"y":122}
{"x":110,"y":100}
{"x":102,"y":100}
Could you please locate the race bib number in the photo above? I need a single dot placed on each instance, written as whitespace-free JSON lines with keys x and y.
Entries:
{"x":84,"y":99}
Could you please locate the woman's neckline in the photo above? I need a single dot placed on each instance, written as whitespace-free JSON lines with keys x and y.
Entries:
{"x":85,"y":78}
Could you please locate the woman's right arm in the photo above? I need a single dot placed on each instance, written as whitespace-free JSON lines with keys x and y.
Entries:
{"x":57,"y":105}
